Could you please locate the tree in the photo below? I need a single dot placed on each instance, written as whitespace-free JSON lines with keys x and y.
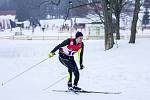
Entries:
{"x":134,"y":21}
{"x":117,"y":8}
{"x":106,"y":7}
{"x":102,"y":7}
{"x":146,"y":15}
{"x":107,"y":12}
{"x":146,"y":3}
{"x":145,"y":19}
{"x":63,"y":8}
{"x":22,"y":11}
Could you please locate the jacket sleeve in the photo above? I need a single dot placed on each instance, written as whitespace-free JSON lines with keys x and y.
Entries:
{"x":64,"y":43}
{"x":80,"y":54}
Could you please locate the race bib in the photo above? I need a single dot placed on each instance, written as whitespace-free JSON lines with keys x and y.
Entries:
{"x":69,"y":52}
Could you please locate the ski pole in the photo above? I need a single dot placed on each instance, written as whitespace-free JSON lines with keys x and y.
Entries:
{"x":55,"y":83}
{"x":4,"y":83}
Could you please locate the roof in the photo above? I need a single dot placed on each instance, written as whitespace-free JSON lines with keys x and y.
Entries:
{"x":7,"y":12}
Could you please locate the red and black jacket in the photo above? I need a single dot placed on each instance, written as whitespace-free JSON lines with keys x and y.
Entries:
{"x":72,"y":47}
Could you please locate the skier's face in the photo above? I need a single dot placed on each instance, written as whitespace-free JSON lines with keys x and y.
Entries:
{"x":79,"y":39}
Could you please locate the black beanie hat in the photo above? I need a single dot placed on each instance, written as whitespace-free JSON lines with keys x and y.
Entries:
{"x":78,"y":34}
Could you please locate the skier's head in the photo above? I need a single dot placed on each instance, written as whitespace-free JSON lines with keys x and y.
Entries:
{"x":79,"y":37}
{"x":78,"y":34}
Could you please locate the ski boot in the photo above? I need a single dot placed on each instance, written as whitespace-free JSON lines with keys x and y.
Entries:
{"x":76,"y":88}
{"x":70,"y":86}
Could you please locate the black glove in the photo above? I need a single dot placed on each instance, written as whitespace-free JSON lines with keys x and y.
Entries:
{"x":81,"y":67}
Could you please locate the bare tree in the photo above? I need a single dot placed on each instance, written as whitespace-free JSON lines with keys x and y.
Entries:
{"x":117,"y":8}
{"x":106,"y":7}
{"x":107,"y":11}
{"x":96,"y":7}
{"x":134,"y":21}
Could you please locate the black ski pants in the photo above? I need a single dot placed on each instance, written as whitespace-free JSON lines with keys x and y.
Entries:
{"x":70,"y":63}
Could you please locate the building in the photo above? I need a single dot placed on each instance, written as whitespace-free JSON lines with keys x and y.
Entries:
{"x":5,"y":17}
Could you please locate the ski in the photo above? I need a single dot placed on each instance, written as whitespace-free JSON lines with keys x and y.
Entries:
{"x":84,"y":91}
{"x":75,"y":92}
{"x":101,"y":92}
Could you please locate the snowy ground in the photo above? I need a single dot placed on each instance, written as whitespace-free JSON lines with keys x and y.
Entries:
{"x":124,"y":69}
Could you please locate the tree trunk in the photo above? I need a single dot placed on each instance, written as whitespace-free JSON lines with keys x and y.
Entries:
{"x":118,"y":26}
{"x":134,"y":21}
{"x":107,"y":11}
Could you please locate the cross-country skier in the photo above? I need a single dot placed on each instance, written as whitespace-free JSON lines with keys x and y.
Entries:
{"x":67,"y":49}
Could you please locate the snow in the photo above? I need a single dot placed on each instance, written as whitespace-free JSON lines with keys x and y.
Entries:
{"x":124,"y":69}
